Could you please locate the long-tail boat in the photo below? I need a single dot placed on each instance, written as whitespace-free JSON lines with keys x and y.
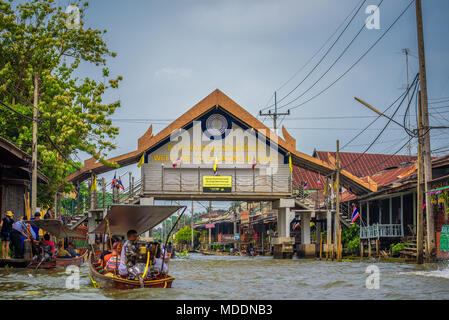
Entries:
{"x":118,"y":221}
{"x":59,"y":230}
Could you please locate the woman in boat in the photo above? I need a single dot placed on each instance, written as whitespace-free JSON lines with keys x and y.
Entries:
{"x":114,"y":259}
{"x":6,"y":225}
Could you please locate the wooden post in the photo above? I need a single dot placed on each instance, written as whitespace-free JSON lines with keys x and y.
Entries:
{"x":377,"y":247}
{"x":191,"y":226}
{"x":321,"y":247}
{"x":34,"y":146}
{"x":419,"y":209}
{"x":337,"y":199}
{"x":361,"y":248}
{"x":424,"y":113}
{"x":103,"y":192}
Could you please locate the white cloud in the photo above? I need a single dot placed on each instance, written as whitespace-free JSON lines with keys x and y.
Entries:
{"x":171,"y":72}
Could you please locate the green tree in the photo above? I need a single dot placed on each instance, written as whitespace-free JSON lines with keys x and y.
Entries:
{"x":38,"y":39}
{"x":184,"y":235}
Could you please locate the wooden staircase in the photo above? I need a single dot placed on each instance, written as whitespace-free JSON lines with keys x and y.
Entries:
{"x":76,"y":220}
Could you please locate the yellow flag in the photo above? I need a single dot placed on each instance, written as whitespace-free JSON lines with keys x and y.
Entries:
{"x":142,"y":159}
{"x":325,"y":187}
{"x":290,"y":163}
{"x":94,"y":184}
{"x":215,"y":164}
{"x":335,"y":185}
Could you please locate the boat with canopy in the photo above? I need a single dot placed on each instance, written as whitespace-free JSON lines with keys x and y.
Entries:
{"x":57,"y":229}
{"x":119,"y":220}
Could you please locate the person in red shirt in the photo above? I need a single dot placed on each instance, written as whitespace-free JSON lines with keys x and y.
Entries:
{"x":49,"y":247}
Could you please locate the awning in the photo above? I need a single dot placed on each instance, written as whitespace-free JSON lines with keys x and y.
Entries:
{"x":141,"y":218}
{"x":54,"y":227}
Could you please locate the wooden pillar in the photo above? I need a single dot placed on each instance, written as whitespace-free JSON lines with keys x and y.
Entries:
{"x":402,"y":215}
{"x":391,"y":210}
{"x":414,"y":212}
{"x":369,"y":238}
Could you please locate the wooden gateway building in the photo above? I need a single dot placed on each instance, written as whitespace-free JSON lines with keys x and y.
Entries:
{"x":15,"y":177}
{"x":218,"y":151}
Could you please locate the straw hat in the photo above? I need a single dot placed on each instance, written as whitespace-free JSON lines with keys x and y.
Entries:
{"x":9,"y":214}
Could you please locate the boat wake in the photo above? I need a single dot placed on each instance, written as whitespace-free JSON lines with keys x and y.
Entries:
{"x":440,"y":273}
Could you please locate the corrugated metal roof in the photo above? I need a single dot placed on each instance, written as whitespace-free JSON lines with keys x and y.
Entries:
{"x":366,"y":164}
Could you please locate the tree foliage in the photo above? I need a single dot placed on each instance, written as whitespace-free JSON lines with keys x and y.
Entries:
{"x":184,"y":235}
{"x":38,"y":39}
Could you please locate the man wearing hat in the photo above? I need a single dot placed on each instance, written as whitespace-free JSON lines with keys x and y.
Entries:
{"x":5,"y":233}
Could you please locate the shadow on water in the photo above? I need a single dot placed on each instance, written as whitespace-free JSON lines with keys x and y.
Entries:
{"x":225,"y":277}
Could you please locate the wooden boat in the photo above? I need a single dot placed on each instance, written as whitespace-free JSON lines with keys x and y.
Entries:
{"x":59,"y":230}
{"x":117,"y":282}
{"x":120,"y":219}
{"x":56,"y":263}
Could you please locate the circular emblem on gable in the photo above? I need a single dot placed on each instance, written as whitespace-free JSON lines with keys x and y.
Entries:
{"x":216,"y":125}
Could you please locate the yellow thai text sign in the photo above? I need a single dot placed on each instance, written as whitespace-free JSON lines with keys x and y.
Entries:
{"x":217,"y":183}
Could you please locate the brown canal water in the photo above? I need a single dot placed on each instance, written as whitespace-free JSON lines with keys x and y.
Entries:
{"x":220,"y":277}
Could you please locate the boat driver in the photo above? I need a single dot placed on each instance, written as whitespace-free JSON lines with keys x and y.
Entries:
{"x":129,"y":253}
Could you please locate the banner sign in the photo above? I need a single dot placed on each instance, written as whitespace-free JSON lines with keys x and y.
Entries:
{"x":444,"y":239}
{"x":210,"y":226}
{"x":217,"y":183}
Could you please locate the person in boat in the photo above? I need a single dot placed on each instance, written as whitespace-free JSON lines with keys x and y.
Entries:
{"x":20,"y":228}
{"x":128,"y":254}
{"x":48,"y":248}
{"x":72,"y":251}
{"x":62,"y":253}
{"x":6,"y":229}
{"x":171,"y":250}
{"x":159,"y":261}
{"x":114,"y":259}
{"x":37,"y":216}
{"x":106,"y":254}
{"x":49,"y":214}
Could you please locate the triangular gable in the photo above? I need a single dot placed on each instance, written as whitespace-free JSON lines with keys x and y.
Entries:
{"x":217,"y":99}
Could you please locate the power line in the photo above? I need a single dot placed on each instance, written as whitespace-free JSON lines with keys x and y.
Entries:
{"x":322,"y":58}
{"x":356,"y":62}
{"x":319,"y":50}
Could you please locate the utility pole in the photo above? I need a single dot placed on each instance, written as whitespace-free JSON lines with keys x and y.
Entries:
{"x":275,"y":115}
{"x":337,"y":200}
{"x":425,"y":130}
{"x":210,"y":229}
{"x":406,"y":52}
{"x":234,"y":208}
{"x":419,"y":193}
{"x":191,"y":227}
{"x":34,"y":147}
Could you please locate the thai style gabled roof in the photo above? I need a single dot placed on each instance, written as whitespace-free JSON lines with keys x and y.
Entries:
{"x":214,"y":100}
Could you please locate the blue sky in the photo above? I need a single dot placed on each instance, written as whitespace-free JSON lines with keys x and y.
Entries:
{"x":174,"y":53}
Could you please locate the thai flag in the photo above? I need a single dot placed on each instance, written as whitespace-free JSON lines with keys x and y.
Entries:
{"x":355,"y":214}
{"x":114,"y":181}
{"x":177,"y":162}
{"x":296,"y":225}
{"x":254,"y":164}
{"x":318,"y":182}
{"x":77,"y":190}
{"x":120,"y":184}
{"x":305,"y":185}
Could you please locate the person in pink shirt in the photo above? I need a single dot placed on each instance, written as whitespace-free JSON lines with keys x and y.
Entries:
{"x":49,"y":247}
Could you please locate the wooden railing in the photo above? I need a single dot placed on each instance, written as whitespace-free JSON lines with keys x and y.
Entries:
{"x":381,"y":231}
